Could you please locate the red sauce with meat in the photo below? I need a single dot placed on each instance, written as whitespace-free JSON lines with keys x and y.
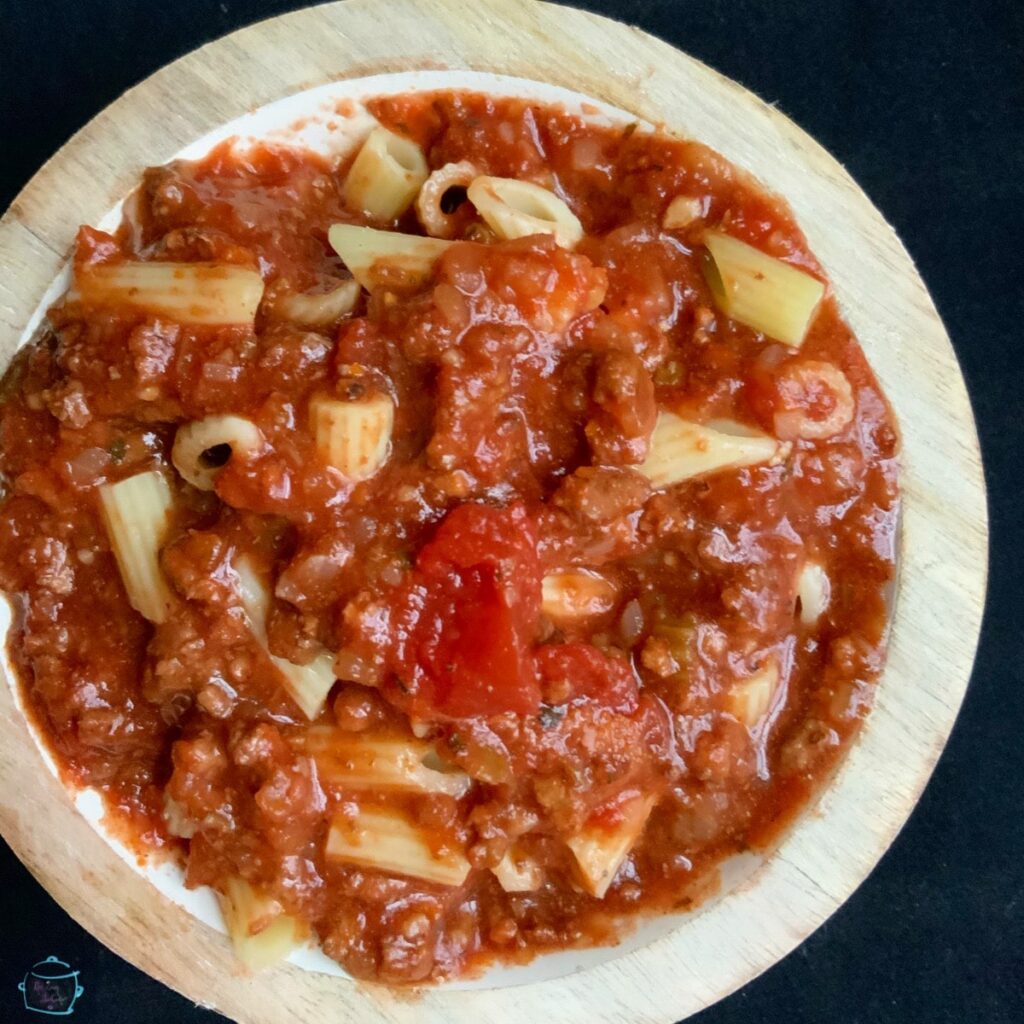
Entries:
{"x":526,"y":380}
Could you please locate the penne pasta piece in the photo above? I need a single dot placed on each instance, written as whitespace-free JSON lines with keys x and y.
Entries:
{"x":385,"y":175}
{"x":189,"y":293}
{"x":430,"y":203}
{"x":403,"y":765}
{"x":385,"y":258}
{"x":514,"y":209}
{"x":310,"y":309}
{"x":576,"y":595}
{"x":518,"y":872}
{"x":813,"y":592}
{"x":599,"y":852}
{"x":308,"y":685}
{"x":136,"y":513}
{"x":204,"y":447}
{"x":750,"y":699}
{"x":383,"y":839}
{"x":682,"y":212}
{"x":261,"y":933}
{"x":681,"y":450}
{"x":353,"y":436}
{"x":758,"y":290}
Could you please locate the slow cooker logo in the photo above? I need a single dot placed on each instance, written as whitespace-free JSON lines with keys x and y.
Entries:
{"x":51,"y":987}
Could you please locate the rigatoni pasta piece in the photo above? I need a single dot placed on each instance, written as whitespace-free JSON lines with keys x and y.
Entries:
{"x":759,"y":290}
{"x":514,"y":209}
{"x":361,"y":763}
{"x":385,"y":840}
{"x":385,"y":175}
{"x":750,"y":699}
{"x":189,"y":293}
{"x":308,"y":685}
{"x":599,"y":851}
{"x":681,"y":450}
{"x":430,"y":203}
{"x":136,"y":513}
{"x":517,"y":871}
{"x":575,"y":595}
{"x":382,"y":258}
{"x":319,"y":309}
{"x":813,"y":592}
{"x":353,"y":436}
{"x":261,"y":933}
{"x":204,"y":447}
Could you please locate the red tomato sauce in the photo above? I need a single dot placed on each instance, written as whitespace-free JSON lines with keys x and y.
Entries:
{"x":526,"y":382}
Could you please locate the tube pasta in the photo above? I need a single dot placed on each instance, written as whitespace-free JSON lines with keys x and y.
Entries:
{"x":195,"y":447}
{"x":136,"y":513}
{"x":682,"y":212}
{"x":518,"y":872}
{"x":803,"y":385}
{"x":599,"y":852}
{"x":385,"y":175}
{"x":190,"y":293}
{"x":429,"y":207}
{"x":750,"y":699}
{"x":319,"y":309}
{"x":379,"y":764}
{"x":383,"y":839}
{"x":813,"y":591}
{"x":261,"y":933}
{"x":759,"y":290}
{"x":307,"y":685}
{"x":353,"y":436}
{"x":576,"y":594}
{"x":382,"y":258}
{"x":681,"y":450}
{"x":514,"y":209}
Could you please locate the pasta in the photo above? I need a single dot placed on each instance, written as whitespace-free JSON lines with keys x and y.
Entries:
{"x":261,"y":933}
{"x":806,"y":388}
{"x":136,"y":513}
{"x":385,"y":175}
{"x":319,"y":309}
{"x":202,"y":448}
{"x":599,"y":851}
{"x":576,"y":595}
{"x":682,"y":212}
{"x":514,"y":209}
{"x":813,"y":592}
{"x":430,"y":202}
{"x":759,"y":290}
{"x":308,"y":685}
{"x":380,"y":764}
{"x":385,"y":840}
{"x":681,"y":450}
{"x":385,"y":258}
{"x":190,"y":293}
{"x":750,"y":699}
{"x":518,"y":871}
{"x":353,"y":436}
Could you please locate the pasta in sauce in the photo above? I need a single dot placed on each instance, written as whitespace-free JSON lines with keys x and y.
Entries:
{"x":448,"y":599}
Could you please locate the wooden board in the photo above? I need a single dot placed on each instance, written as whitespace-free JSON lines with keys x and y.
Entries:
{"x":941,"y":585}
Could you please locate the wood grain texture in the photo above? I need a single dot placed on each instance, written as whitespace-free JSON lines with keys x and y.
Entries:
{"x":940,"y":591}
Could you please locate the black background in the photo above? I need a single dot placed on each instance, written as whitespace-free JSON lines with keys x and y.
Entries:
{"x":924,"y":103}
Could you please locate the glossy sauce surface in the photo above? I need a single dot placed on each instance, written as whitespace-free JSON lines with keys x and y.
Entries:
{"x":526,"y":382}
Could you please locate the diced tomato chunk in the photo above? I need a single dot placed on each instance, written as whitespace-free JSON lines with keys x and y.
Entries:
{"x":466,"y":620}
{"x":590,"y":673}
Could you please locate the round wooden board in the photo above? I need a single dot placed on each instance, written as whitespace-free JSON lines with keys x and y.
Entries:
{"x":940,"y":592}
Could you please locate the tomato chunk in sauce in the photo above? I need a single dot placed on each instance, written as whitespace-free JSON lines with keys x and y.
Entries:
{"x":570,"y":663}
